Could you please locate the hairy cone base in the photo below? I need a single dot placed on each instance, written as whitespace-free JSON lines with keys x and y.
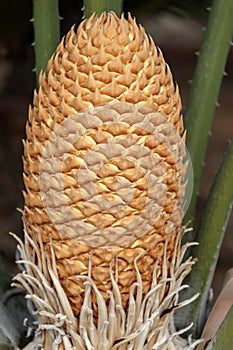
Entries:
{"x":106,"y":64}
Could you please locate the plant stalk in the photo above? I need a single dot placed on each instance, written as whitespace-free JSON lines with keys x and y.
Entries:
{"x":209,"y":235}
{"x":97,"y":6}
{"x":205,"y":87}
{"x":46,"y":32}
{"x":116,"y":6}
{"x":224,"y":337}
{"x":100,"y":6}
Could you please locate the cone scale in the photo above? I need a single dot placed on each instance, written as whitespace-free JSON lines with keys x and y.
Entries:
{"x":104,"y":163}
{"x":105,"y":61}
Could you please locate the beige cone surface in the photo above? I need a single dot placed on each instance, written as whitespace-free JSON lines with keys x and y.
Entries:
{"x":104,"y":81}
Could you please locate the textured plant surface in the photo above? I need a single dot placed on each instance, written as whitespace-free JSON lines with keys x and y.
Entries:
{"x":104,"y":156}
{"x":104,"y":175}
{"x":105,"y":170}
{"x":146,"y":323}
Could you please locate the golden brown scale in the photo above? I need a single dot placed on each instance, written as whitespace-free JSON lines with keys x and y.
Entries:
{"x":107,"y":60}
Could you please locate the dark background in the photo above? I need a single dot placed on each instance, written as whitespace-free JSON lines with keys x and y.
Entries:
{"x":176,"y":27}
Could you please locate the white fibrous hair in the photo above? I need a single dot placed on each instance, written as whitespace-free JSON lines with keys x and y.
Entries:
{"x":146,"y":324}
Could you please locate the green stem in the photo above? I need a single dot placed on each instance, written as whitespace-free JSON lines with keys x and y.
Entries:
{"x":116,"y":6}
{"x":47,"y":32}
{"x":224,"y":337}
{"x":100,"y":6}
{"x":97,"y":6}
{"x":209,"y":235}
{"x":205,"y":87}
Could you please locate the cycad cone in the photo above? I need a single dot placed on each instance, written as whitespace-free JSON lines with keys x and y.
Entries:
{"x":108,"y":71}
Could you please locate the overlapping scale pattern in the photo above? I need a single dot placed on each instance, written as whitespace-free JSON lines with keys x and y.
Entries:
{"x":103,"y":160}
